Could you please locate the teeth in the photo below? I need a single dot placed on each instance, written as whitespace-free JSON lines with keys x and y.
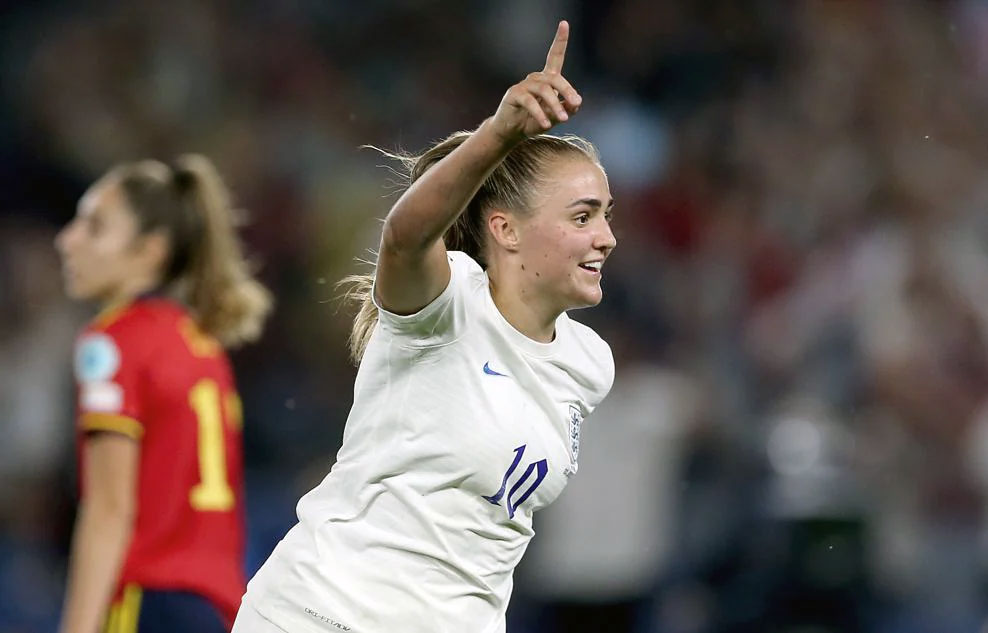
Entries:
{"x":591,"y":265}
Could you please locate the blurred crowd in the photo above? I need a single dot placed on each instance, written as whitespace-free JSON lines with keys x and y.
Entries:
{"x":797,"y":439}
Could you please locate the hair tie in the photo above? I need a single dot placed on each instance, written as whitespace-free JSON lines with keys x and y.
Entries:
{"x":183,"y":179}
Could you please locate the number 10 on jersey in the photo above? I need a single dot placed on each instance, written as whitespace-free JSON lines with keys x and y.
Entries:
{"x":541,"y":467}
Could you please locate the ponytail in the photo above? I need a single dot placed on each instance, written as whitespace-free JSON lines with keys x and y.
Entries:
{"x":510,"y":185}
{"x":206,"y":269}
{"x":217,"y":285}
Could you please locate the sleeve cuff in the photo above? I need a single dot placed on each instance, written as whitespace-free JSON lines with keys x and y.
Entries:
{"x":426,"y":325}
{"x":111,"y":422}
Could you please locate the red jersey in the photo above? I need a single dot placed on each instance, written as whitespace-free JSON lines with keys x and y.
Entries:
{"x":147,"y":371}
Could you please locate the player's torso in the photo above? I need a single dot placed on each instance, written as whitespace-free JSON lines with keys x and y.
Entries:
{"x":191,"y":454}
{"x":478,"y":416}
{"x":496,"y":425}
{"x":189,"y":525}
{"x":448,"y":452}
{"x":452,"y":443}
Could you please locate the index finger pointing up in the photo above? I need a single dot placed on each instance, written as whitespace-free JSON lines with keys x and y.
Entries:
{"x":557,"y":52}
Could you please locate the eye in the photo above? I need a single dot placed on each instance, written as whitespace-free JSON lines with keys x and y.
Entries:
{"x":608,"y":215}
{"x":583,"y":218}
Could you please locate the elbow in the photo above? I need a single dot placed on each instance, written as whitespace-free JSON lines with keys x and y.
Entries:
{"x":398,"y":239}
{"x":390,"y":236}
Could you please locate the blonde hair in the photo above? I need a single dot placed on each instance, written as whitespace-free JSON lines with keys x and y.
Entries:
{"x":206,"y":269}
{"x":511,"y":185}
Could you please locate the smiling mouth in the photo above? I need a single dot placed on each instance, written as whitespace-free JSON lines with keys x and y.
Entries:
{"x":592,"y":267}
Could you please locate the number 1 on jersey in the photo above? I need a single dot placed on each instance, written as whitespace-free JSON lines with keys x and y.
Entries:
{"x":213,"y":492}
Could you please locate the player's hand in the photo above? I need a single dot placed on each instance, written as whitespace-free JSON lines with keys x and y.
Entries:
{"x":541,"y":100}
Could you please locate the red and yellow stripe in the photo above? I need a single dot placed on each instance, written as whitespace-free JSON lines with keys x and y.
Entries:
{"x":109,"y":314}
{"x":111,"y":422}
{"x":125,"y":613}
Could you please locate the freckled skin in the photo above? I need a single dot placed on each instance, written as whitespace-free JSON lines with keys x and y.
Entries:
{"x":567,"y":224}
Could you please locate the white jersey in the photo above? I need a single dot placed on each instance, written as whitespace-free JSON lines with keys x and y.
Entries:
{"x":461,"y":428}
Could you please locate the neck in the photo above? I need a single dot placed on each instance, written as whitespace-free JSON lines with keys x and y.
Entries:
{"x":128,"y":291}
{"x":520,"y":306}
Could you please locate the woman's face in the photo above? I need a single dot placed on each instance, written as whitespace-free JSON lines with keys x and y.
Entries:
{"x":99,"y":247}
{"x":567,"y":237}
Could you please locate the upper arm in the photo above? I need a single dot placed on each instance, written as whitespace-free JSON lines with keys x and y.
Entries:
{"x":110,"y":470}
{"x":107,"y":373}
{"x":409,"y":278}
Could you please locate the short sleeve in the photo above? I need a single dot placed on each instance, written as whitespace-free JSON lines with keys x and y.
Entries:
{"x":445,"y":318}
{"x":108,"y":393}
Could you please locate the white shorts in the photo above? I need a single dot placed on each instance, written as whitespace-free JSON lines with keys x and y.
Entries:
{"x":250,"y":621}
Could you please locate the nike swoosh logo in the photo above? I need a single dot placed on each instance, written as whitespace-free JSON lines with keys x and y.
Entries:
{"x":491,"y":372}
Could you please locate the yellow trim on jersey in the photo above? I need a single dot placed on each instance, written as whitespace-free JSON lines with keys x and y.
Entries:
{"x":125,"y":613}
{"x":111,"y":422}
{"x":200,"y":344}
{"x":110,"y":313}
{"x":130,"y":612}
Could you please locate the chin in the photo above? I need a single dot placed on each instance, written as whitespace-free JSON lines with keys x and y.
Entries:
{"x":586,"y":300}
{"x":77,"y":292}
{"x":72,"y":291}
{"x":595,"y":295}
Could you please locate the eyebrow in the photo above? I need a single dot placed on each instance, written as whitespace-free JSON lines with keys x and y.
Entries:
{"x":590,"y":202}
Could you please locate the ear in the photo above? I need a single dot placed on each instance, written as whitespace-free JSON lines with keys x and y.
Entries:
{"x":504,"y":228}
{"x":156,"y":249}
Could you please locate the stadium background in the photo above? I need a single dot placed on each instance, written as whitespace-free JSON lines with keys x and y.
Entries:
{"x":798,"y":438}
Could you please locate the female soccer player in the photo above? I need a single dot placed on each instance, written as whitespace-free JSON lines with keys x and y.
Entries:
{"x":159,"y":539}
{"x":472,"y":384}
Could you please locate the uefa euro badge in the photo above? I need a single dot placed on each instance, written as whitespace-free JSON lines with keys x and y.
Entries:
{"x":96,"y":358}
{"x":575,"y":420}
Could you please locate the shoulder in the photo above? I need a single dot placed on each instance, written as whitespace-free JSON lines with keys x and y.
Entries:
{"x":468,"y":279}
{"x":463,"y":264}
{"x":587,"y":350}
{"x":144,"y":316}
{"x":133,"y":327}
{"x":111,"y":350}
{"x":589,"y":341}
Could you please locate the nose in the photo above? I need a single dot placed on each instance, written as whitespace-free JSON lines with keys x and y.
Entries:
{"x":605,"y":239}
{"x":64,"y":238}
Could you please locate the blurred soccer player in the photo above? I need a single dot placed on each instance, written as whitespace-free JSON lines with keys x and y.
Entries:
{"x":472,"y":386}
{"x":159,"y":538}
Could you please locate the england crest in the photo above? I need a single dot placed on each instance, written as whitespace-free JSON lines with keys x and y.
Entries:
{"x":575,"y":420}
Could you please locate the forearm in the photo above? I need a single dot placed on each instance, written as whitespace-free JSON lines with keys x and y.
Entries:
{"x":430,"y":206}
{"x":99,"y":544}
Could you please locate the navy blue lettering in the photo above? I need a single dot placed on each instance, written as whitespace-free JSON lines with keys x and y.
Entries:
{"x":542,"y":466}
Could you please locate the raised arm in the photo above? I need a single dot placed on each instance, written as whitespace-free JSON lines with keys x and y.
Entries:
{"x":412,"y":269}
